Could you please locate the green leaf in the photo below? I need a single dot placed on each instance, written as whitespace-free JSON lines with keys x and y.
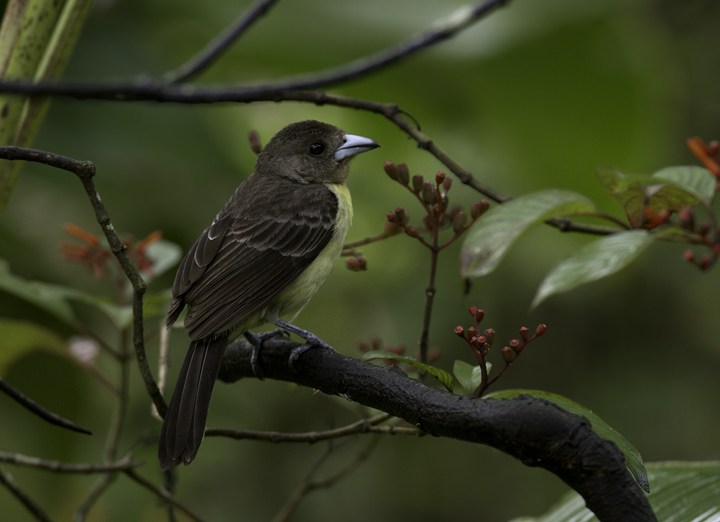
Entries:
{"x":633,"y":460}
{"x":19,"y":337}
{"x":594,"y":261}
{"x":56,"y":299}
{"x":682,"y":492}
{"x":469,"y":376}
{"x":696,"y":180}
{"x":164,"y":256}
{"x":489,"y":239}
{"x":669,"y":189}
{"x":441,"y":375}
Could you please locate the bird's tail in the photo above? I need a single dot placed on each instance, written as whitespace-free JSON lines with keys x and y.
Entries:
{"x":184,"y":425}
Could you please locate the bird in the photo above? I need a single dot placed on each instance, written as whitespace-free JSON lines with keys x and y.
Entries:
{"x":262,"y":258}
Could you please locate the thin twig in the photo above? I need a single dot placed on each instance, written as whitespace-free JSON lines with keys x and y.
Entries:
{"x":85,"y":170}
{"x":307,"y":485}
{"x":160,"y":492}
{"x":97,"y":489}
{"x":7,"y":481}
{"x":440,"y":30}
{"x":361,"y":426}
{"x":212,"y":51}
{"x":38,"y":410}
{"x":61,"y":467}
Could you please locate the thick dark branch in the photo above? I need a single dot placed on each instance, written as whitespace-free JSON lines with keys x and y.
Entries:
{"x":85,"y":170}
{"x":532,"y":430}
{"x":220,"y":44}
{"x":54,"y":465}
{"x":39,"y":410}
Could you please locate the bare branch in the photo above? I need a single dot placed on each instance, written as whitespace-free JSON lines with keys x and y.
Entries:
{"x":160,"y":492}
{"x":7,"y":481}
{"x":362,"y":426}
{"x":96,"y":491}
{"x":38,"y":410}
{"x":61,"y":467}
{"x":307,"y":485}
{"x":220,"y":43}
{"x":85,"y":170}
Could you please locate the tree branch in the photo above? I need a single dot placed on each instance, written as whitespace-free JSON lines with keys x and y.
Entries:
{"x":163,"y":495}
{"x":38,"y":410}
{"x":362,"y":426}
{"x":532,"y":430}
{"x":7,"y":481}
{"x":220,"y":43}
{"x":85,"y":170}
{"x":61,"y":467}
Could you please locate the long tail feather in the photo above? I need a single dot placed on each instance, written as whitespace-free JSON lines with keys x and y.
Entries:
{"x":184,"y":425}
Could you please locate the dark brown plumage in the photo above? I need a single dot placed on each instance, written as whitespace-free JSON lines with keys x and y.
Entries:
{"x":263,"y":257}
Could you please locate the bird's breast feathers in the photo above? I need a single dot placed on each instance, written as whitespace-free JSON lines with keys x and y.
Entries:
{"x":296,"y":295}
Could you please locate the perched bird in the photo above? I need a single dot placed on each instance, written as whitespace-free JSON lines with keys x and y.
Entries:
{"x":262,"y":258}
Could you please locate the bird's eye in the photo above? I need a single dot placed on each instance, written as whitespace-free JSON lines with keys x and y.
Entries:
{"x":316,"y":149}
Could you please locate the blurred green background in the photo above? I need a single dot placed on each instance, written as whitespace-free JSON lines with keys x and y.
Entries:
{"x":535,"y":96}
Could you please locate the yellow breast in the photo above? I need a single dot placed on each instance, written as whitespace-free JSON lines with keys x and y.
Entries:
{"x":295,"y":296}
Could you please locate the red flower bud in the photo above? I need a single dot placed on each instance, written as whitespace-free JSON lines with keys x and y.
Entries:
{"x":459,"y":331}
{"x":400,"y":214}
{"x":704,"y":262}
{"x":403,"y":174}
{"x":429,"y":193}
{"x":490,"y":336}
{"x":687,"y":219}
{"x":472,"y":332}
{"x":439,"y":177}
{"x":540,"y":330}
{"x":515,"y":345}
{"x":454,"y":210}
{"x":479,"y":314}
{"x":689,"y":256}
{"x":507,"y":354}
{"x":524,"y":334}
{"x":459,"y":222}
{"x":417,"y":182}
{"x":704,"y":228}
{"x":391,"y":170}
{"x":447,"y":183}
{"x":391,"y":228}
{"x":478,"y":209}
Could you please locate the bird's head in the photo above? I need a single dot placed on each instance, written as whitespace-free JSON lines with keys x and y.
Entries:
{"x":311,"y":152}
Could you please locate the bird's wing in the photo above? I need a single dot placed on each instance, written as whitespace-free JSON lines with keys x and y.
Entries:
{"x":244,"y":259}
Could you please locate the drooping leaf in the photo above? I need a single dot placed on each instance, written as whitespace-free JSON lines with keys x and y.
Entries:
{"x":696,"y":180}
{"x":669,"y":189}
{"x":490,"y":238}
{"x":682,"y":492}
{"x":19,"y":337}
{"x":469,"y":376}
{"x":441,"y":375}
{"x":594,"y":261}
{"x":56,"y":299}
{"x":633,"y":460}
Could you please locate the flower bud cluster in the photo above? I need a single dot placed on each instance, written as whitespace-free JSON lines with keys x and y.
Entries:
{"x":481,"y":344}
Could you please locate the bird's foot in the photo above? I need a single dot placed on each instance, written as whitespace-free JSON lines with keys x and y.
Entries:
{"x":257,"y":340}
{"x":310,"y":340}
